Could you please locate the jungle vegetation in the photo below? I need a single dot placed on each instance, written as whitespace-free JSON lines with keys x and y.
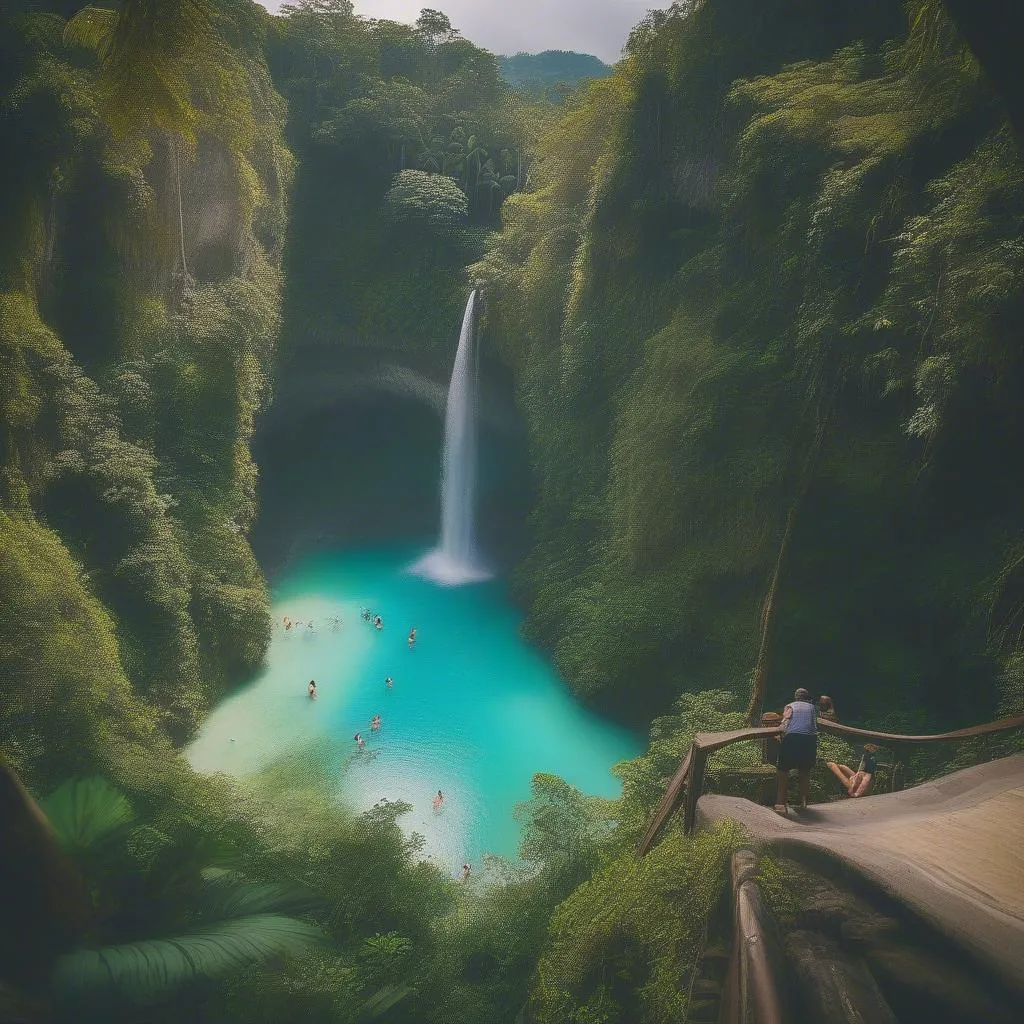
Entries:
{"x":763,"y":305}
{"x":761,"y":288}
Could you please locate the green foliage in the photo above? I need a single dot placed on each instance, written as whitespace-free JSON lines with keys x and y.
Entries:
{"x":68,"y":706}
{"x":431,"y":201}
{"x":144,"y":972}
{"x":563,"y":829}
{"x":86,"y":813}
{"x":622,"y":942}
{"x":169,"y":908}
{"x":144,"y":473}
{"x":391,"y":122}
{"x":764,"y":277}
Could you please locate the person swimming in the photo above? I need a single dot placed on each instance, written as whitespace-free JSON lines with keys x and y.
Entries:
{"x":312,"y":689}
{"x":439,"y":801}
{"x":375,"y":723}
{"x":378,"y":622}
{"x":389,"y":682}
{"x":360,"y":742}
{"x":412,"y":637}
{"x":365,"y":614}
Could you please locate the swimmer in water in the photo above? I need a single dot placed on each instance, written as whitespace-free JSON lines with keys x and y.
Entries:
{"x":378,"y":622}
{"x":312,"y":689}
{"x":412,"y":637}
{"x":375,"y":723}
{"x":360,"y":742}
{"x":365,"y":614}
{"x":389,"y":682}
{"x":438,"y":801}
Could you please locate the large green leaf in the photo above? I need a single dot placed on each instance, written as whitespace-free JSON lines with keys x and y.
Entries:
{"x":144,"y":972}
{"x":226,"y":896}
{"x":382,"y":1000}
{"x":86,"y":812}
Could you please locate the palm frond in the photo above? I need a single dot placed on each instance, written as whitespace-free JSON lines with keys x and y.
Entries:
{"x":142,"y":972}
{"x":86,"y":812}
{"x":92,"y":28}
{"x":229,"y":896}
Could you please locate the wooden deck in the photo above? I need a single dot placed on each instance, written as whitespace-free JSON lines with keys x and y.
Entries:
{"x":951,"y":850}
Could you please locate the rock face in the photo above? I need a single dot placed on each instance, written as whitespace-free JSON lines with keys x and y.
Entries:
{"x":830,"y":984}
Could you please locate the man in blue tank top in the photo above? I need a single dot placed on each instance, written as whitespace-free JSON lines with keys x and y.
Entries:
{"x":799,"y":748}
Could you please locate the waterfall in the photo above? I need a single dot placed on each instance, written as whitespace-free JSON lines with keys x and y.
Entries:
{"x":454,"y":560}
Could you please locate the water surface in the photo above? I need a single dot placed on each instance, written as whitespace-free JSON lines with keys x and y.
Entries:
{"x":474,"y":711}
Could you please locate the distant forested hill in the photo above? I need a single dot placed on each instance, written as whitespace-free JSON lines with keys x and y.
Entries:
{"x":541,"y":72}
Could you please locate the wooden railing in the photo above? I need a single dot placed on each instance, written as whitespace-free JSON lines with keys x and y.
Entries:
{"x":687,"y":784}
{"x":753,"y":993}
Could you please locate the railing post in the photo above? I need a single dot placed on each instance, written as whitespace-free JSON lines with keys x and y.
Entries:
{"x":769,"y":748}
{"x":694,"y":786}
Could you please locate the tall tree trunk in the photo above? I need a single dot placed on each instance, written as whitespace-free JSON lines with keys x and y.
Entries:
{"x":769,"y":609}
{"x":45,"y":903}
{"x":176,"y":151}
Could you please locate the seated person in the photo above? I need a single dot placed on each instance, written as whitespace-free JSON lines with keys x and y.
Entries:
{"x":859,"y":782}
{"x":826,"y":709}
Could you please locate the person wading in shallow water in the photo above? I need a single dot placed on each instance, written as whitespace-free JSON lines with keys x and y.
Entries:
{"x":439,"y":801}
{"x":312,"y":689}
{"x":799,"y":749}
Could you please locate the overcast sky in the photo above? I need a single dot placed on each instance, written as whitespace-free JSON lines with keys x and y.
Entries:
{"x":587,"y":26}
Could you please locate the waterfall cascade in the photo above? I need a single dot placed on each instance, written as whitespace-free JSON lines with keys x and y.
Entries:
{"x":454,"y":560}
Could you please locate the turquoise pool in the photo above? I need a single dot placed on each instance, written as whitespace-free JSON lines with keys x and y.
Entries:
{"x":474,"y":710}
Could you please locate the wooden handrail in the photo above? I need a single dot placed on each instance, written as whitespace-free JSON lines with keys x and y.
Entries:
{"x":754,"y":994}
{"x":692,"y":766}
{"x":669,"y":802}
{"x":688,"y":781}
{"x":970,"y":733}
